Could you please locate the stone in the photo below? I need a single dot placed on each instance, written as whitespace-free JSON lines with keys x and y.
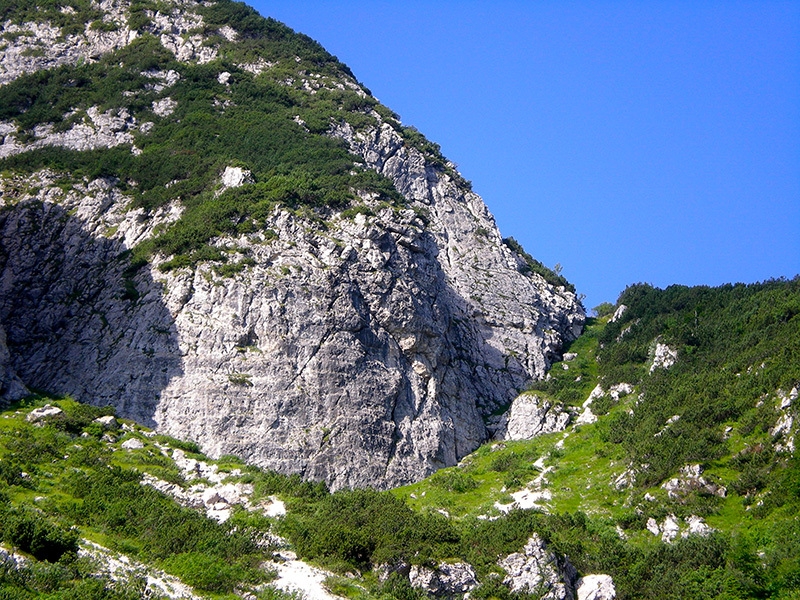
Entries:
{"x":652,"y":526}
{"x":783,"y":431}
{"x":132,"y":444}
{"x":446,"y":580}
{"x":669,"y":529}
{"x":689,"y":480}
{"x":233,"y":177}
{"x":587,"y":417}
{"x":596,"y":587}
{"x":107,"y":422}
{"x":696,"y":526}
{"x":529,"y":416}
{"x":618,"y":313}
{"x":664,"y":357}
{"x":537,"y":570}
{"x":45,"y":412}
{"x":620,"y":390}
{"x":164,"y":107}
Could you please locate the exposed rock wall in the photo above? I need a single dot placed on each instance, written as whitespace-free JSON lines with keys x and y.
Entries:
{"x":363,"y":352}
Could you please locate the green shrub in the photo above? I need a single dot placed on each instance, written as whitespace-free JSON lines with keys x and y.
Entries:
{"x":453,"y":480}
{"x":204,"y":572}
{"x":33,"y":533}
{"x":361,"y":528}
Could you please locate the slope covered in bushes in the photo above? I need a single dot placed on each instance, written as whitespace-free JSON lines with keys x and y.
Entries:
{"x":600,"y":505}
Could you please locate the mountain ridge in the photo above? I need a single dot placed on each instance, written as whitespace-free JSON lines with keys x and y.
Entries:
{"x":244,"y":248}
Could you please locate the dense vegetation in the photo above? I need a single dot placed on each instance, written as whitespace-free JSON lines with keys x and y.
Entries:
{"x":62,"y":479}
{"x":737,"y":349}
{"x":736,"y":345}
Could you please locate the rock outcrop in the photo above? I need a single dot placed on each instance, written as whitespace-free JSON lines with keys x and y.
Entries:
{"x":364,"y":351}
{"x":595,"y":587}
{"x":529,"y":416}
{"x":11,"y":388}
{"x":448,"y":579}
{"x":537,"y":570}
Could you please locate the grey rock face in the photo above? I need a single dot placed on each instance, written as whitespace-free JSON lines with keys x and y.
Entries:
{"x":11,"y":388}
{"x":74,"y":323}
{"x":447,"y":579}
{"x":367,"y":352}
{"x":529,"y":416}
{"x":536,"y":570}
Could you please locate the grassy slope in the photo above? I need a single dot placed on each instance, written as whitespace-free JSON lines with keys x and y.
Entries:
{"x":749,"y":330}
{"x":90,"y":485}
{"x":86,"y":482}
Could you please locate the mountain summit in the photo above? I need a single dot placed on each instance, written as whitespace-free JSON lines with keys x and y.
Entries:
{"x":209,"y":224}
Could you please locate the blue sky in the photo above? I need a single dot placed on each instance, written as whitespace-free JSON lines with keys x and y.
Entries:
{"x":627,"y":141}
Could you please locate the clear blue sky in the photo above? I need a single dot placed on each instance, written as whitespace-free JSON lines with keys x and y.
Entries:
{"x":627,"y":141}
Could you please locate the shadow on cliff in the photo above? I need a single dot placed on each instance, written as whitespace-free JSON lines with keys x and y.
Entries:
{"x":76,"y":322}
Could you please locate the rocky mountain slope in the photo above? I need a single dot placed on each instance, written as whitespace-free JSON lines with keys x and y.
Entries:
{"x":210,"y":225}
{"x":657,"y":461}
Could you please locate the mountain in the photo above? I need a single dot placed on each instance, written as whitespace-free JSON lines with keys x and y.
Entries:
{"x":672,"y":474}
{"x":211,"y":226}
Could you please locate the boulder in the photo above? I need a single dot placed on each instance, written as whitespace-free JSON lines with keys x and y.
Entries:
{"x":537,"y":570}
{"x":595,"y":587}
{"x":446,"y":579}
{"x":529,"y":416}
{"x":40,"y":414}
{"x":132,"y":444}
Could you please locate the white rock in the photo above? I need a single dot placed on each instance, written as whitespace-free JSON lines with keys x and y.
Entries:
{"x":446,"y":580}
{"x":620,"y":390}
{"x":664,"y":357}
{"x":39,"y":414}
{"x":652,"y":526}
{"x":235,"y":176}
{"x":696,"y":526}
{"x":596,"y":587}
{"x":670,"y":529}
{"x":537,"y":570}
{"x":275,"y":508}
{"x":164,"y":107}
{"x":132,"y":444}
{"x":530,"y":416}
{"x":618,"y":313}
{"x":690,"y":479}
{"x":106,"y":421}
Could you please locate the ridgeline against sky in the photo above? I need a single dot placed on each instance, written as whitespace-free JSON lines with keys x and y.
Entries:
{"x":628,"y":141}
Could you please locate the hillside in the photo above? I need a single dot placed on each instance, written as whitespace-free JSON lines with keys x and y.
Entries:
{"x":210,"y":225}
{"x":260,"y":339}
{"x":713,"y":515}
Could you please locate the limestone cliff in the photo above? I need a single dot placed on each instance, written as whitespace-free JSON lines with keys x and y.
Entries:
{"x":360,"y":347}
